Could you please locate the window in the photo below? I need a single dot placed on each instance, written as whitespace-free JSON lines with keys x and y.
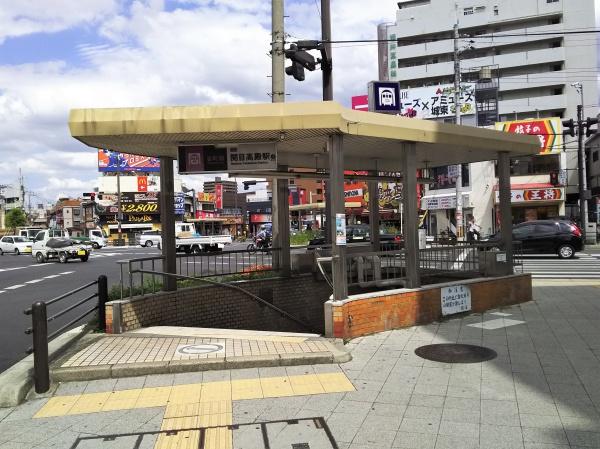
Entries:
{"x":595,"y":156}
{"x":393,"y":64}
{"x":557,"y":67}
{"x":521,"y":232}
{"x":554,"y":21}
{"x":545,"y":228}
{"x":479,"y":9}
{"x":496,"y":11}
{"x":551,"y":1}
{"x":555,"y":44}
{"x":557,"y":91}
{"x":468,"y":11}
{"x":532,"y":165}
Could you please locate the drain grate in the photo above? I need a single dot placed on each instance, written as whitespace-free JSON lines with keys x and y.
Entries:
{"x":456,"y":353}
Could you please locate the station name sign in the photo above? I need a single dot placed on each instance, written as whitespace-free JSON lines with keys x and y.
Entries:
{"x":220,"y":159}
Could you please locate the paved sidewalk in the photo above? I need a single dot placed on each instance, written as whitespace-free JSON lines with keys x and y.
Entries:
{"x":165,"y":349}
{"x":541,"y":392}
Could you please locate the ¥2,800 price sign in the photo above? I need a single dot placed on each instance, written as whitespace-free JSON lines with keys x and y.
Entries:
{"x":140,"y":208}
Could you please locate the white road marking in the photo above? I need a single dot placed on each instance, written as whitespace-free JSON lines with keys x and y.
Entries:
{"x":34,"y":281}
{"x":52,"y":276}
{"x":500,"y":314}
{"x":2,"y":291}
{"x":67,"y":272}
{"x":13,"y":287}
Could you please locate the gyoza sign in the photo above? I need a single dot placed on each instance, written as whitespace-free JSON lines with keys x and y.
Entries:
{"x":213,"y":159}
{"x":526,"y":195}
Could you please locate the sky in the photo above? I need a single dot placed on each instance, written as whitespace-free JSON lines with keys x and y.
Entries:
{"x":56,"y":55}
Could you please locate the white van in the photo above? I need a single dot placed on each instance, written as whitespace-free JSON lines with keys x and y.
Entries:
{"x":29,"y":233}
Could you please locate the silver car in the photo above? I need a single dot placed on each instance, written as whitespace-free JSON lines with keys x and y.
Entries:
{"x":148,"y":238}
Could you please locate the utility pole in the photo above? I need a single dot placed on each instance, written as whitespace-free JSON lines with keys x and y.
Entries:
{"x":583,"y":216}
{"x":459,"y":199}
{"x":326,"y":66}
{"x":277,"y":53}
{"x":119,"y":210}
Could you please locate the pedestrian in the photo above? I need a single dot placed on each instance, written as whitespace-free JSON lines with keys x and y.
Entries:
{"x":473,"y":230}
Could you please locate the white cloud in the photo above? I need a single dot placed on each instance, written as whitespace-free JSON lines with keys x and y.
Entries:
{"x":203,"y":52}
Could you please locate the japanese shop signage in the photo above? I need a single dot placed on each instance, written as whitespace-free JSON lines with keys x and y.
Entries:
{"x":131,"y":203}
{"x":113,"y":161}
{"x":436,"y":101}
{"x":179,"y":203}
{"x":340,"y":229}
{"x":242,"y":157}
{"x":142,"y":183}
{"x":548,"y":130}
{"x":455,"y":299}
{"x":205,"y":197}
{"x":384,"y":97}
{"x":529,"y":195}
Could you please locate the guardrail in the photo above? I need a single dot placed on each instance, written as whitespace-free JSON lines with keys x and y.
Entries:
{"x":197,"y":266}
{"x":40,"y":321}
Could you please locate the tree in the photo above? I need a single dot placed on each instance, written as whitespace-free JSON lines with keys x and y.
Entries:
{"x":15,"y":218}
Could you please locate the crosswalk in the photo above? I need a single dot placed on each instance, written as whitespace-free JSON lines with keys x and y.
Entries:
{"x":582,"y":266}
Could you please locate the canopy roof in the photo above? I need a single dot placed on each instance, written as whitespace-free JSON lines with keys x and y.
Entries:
{"x":371,"y":141}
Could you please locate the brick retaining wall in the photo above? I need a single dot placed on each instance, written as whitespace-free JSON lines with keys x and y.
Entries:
{"x":393,"y":309}
{"x":220,"y":307}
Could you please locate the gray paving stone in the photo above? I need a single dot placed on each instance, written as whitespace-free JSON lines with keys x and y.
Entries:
{"x":499,"y":407}
{"x":426,"y":400}
{"x":416,"y":411}
{"x":159,"y":380}
{"x":544,"y":435}
{"x":100,"y":386}
{"x":462,"y":403}
{"x":458,"y":429}
{"x":130,"y":383}
{"x":491,"y":436}
{"x":582,"y":438}
{"x":188,"y":378}
{"x":394,"y":397}
{"x":420,"y":425}
{"x":385,"y":409}
{"x":26,"y":410}
{"x":376,"y":437}
{"x":454,"y":442}
{"x":463,"y":416}
{"x":544,"y":421}
{"x":70,"y":388}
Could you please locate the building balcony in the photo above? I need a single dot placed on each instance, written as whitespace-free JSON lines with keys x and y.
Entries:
{"x":531,"y":104}
{"x":533,"y":80}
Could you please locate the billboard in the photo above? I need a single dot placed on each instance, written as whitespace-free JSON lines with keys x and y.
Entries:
{"x":113,"y":161}
{"x":436,"y":101}
{"x":360,"y":102}
{"x":548,"y":130}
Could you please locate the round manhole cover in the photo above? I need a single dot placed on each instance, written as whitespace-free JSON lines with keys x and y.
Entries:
{"x":199,"y":349}
{"x":456,"y":353}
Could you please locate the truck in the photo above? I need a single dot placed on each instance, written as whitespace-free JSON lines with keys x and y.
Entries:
{"x":55,"y":244}
{"x":187,"y":240}
{"x":97,"y":238}
{"x":28,"y":233}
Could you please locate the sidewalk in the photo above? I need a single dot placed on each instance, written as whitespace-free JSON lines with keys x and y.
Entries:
{"x":542,"y":391}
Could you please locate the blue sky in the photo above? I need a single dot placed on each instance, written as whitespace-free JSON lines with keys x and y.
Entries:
{"x":61,"y":54}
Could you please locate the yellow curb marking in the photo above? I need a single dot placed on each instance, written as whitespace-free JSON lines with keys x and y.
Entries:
{"x":191,"y":406}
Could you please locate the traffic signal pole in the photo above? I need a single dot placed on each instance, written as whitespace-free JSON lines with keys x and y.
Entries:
{"x":326,"y":37}
{"x":583,"y":217}
{"x":459,"y":199}
{"x":277,"y":53}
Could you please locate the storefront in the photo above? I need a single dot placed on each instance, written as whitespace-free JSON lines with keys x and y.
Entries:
{"x":534,"y":202}
{"x":441,"y":212}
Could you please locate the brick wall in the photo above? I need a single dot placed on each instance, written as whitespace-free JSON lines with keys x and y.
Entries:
{"x":381,"y":311}
{"x":220,"y":307}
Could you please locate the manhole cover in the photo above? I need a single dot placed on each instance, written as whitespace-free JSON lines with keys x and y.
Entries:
{"x":456,"y":353}
{"x":206,"y":348}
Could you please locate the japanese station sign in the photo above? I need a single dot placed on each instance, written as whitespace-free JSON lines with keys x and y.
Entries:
{"x":532,"y":195}
{"x":213,"y":159}
{"x":384,"y":97}
{"x":548,"y":130}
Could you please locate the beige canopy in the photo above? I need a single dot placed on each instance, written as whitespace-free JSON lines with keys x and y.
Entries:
{"x":371,"y":141}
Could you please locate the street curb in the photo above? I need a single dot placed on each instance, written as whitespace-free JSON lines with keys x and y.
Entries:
{"x":70,"y":374}
{"x":16,"y":382}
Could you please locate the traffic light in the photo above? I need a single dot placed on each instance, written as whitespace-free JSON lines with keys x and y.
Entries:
{"x":568,"y":127}
{"x":588,"y":126}
{"x":300,"y":60}
{"x":554,"y":178}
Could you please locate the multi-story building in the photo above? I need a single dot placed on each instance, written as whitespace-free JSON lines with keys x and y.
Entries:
{"x":534,"y":50}
{"x":225,"y":192}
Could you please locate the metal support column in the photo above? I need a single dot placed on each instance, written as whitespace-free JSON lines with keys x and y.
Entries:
{"x":505,"y":207}
{"x":336,"y":187}
{"x":411,"y":213}
{"x":373,"y":187}
{"x":167,"y":222}
{"x":281,"y":224}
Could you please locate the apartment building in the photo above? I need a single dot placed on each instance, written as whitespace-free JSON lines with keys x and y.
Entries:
{"x":536,"y":50}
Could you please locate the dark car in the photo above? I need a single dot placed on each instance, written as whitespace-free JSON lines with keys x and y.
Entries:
{"x":562,"y":237}
{"x":362,"y":233}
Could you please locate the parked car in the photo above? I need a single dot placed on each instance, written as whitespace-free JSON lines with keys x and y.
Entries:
{"x":362,"y":233}
{"x":561,"y":237}
{"x":148,"y":238}
{"x":15,"y":244}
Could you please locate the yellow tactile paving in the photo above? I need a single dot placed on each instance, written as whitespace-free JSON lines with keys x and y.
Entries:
{"x":89,"y":403}
{"x":122,"y":400}
{"x":57,"y":406}
{"x":218,"y":438}
{"x":276,"y":387}
{"x":216,"y":391}
{"x":335,"y":382}
{"x":194,"y":406}
{"x":306,"y":384}
{"x":153,"y":397}
{"x":246,"y":389}
{"x":185,"y":394}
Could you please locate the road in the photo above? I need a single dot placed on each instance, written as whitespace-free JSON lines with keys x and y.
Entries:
{"x":585,"y":265}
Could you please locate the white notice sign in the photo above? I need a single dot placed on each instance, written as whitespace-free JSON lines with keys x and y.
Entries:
{"x":456,"y":299}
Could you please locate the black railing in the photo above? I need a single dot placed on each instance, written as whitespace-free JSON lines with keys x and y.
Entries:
{"x":40,"y":320}
{"x":140,"y":275}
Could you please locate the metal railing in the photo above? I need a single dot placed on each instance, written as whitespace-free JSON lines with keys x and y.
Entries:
{"x":40,"y":321}
{"x":380,"y":269}
{"x":140,"y":275}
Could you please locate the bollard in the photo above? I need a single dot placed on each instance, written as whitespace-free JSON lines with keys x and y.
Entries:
{"x":41,"y":368}
{"x":102,"y":300}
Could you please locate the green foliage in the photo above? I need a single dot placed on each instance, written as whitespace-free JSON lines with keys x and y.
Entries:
{"x":302,"y":238}
{"x":15,"y":218}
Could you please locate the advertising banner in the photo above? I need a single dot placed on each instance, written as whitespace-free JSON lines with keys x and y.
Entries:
{"x":131,"y":203}
{"x":340,"y":229}
{"x":548,"y":130}
{"x":354,"y":193}
{"x":219,"y":196}
{"x":113,"y":161}
{"x":261,"y":218}
{"x":530,"y":195}
{"x":205,"y":197}
{"x":436,"y":101}
{"x":142,"y":182}
{"x":360,"y":103}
